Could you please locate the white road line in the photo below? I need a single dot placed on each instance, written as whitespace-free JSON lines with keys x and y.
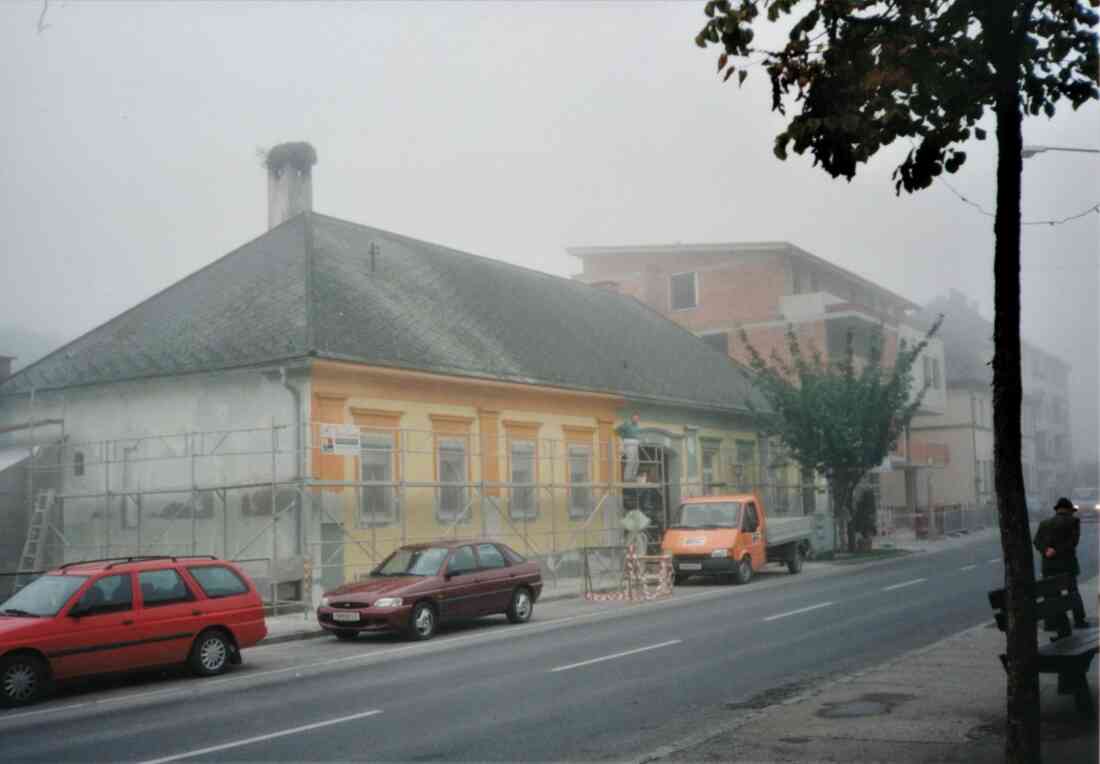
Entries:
{"x":259,"y":738}
{"x":615,"y":655}
{"x":968,"y":567}
{"x":800,"y":610}
{"x":902,"y":585}
{"x":995,"y":560}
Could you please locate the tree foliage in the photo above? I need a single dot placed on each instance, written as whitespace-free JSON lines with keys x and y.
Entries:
{"x":864,"y":74}
{"x":839,"y":416}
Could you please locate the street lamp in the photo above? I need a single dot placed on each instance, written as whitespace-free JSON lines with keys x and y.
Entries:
{"x":1029,"y":151}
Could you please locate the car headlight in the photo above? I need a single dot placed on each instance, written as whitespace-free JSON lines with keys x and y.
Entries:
{"x":1097,"y":505}
{"x":720,"y":553}
{"x":388,"y":602}
{"x":324,"y":602}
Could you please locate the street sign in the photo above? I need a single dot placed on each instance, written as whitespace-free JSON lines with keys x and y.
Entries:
{"x":340,"y":440}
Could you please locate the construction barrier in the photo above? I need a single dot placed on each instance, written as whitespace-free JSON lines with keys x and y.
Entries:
{"x":645,"y":578}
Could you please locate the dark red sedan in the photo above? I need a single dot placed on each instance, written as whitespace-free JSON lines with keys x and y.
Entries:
{"x":421,"y":585}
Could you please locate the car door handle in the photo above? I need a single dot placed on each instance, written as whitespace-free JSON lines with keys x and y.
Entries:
{"x":127,"y":623}
{"x":196,"y":612}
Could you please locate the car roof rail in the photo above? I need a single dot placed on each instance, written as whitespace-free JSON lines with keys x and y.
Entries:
{"x":118,"y":560}
{"x":139,"y":558}
{"x":195,"y":557}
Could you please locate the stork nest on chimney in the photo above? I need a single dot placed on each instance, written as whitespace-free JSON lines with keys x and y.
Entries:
{"x":299,"y":155}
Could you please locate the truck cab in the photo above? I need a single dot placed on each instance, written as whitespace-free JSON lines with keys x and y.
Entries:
{"x":728,"y":536}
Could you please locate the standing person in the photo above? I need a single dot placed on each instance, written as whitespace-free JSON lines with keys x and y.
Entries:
{"x":631,"y":434}
{"x":1056,"y":541}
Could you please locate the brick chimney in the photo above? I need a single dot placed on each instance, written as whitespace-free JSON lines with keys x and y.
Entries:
{"x":289,"y":181}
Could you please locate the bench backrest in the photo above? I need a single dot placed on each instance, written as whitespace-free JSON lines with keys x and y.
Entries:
{"x":1052,"y":604}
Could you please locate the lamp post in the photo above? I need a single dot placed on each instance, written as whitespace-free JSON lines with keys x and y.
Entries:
{"x":1029,"y":151}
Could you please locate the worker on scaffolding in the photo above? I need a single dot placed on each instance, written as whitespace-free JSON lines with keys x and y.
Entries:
{"x":631,"y":434}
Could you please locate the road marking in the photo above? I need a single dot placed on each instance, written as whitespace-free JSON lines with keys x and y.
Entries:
{"x":800,"y":610}
{"x":615,"y":655}
{"x":260,"y":738}
{"x":902,"y":585}
{"x":995,"y":560}
{"x":968,"y":567}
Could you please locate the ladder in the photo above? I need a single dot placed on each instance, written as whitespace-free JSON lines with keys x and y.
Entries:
{"x":34,"y":549}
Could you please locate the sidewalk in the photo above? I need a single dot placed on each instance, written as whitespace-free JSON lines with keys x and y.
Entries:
{"x":942,"y":703}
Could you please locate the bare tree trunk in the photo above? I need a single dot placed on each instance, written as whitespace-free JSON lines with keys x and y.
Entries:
{"x":1022,"y":734}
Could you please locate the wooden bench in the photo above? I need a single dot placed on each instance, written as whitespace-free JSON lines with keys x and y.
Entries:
{"x":1070,"y":651}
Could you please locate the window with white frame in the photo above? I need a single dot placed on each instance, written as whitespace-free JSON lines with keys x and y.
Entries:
{"x":580,"y":476}
{"x":378,"y":501}
{"x":683,"y":293}
{"x":524,"y":504}
{"x":452,"y":478}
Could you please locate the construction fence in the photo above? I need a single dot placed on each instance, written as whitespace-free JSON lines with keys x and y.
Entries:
{"x":937,"y":521}
{"x":305,"y":509}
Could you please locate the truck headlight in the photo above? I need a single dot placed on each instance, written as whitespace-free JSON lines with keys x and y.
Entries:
{"x":720,"y":553}
{"x":388,"y":602}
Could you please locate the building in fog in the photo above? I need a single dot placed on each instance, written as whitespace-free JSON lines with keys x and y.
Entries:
{"x":330,"y":390}
{"x":763,"y":288}
{"x":967,"y":423}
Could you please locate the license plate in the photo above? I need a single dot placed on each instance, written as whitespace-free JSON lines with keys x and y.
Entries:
{"x":691,"y":566}
{"x":346,"y":617}
{"x":695,"y":542}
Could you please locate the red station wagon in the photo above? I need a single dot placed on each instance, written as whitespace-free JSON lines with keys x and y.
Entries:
{"x":420,"y":585}
{"x":107,"y":616}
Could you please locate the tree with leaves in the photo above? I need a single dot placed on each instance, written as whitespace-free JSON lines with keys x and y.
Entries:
{"x":863,"y":74}
{"x":841,"y":417}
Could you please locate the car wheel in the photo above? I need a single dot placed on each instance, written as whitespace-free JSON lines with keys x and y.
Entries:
{"x":211,"y":653}
{"x":346,"y":636}
{"x":522,"y":606}
{"x":422,"y":622}
{"x":23,"y":680}
{"x":743,"y":573}
{"x":794,"y":563}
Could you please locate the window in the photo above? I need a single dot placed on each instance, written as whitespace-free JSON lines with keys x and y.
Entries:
{"x":462,"y":561}
{"x":682,"y":291}
{"x":523,"y":505}
{"x":218,"y":581}
{"x":78,"y":464}
{"x":452,"y":469}
{"x":490,"y":556}
{"x":720,"y":341}
{"x":163,"y":587}
{"x":110,"y":594}
{"x":927,"y":366}
{"x":745,"y":468}
{"x":378,"y":502}
{"x":750,"y":523}
{"x":710,"y":469}
{"x":580,"y":475}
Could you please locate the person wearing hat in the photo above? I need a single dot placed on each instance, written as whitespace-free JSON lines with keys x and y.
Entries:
{"x":1056,"y":541}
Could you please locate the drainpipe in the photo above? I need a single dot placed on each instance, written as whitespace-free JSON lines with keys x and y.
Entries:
{"x":299,"y":451}
{"x":974,"y":451}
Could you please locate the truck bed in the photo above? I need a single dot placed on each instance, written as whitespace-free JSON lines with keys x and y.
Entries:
{"x":782,"y":530}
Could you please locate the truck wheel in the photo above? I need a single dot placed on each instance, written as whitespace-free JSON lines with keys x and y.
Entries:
{"x":678,"y":579}
{"x":743,"y":574}
{"x":794,"y":562}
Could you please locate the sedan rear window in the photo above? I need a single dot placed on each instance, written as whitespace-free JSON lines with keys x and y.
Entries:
{"x":44,"y":596}
{"x":218,"y":581}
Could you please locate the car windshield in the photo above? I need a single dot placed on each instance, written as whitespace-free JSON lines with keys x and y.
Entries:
{"x":413,"y":562}
{"x":726,"y":514}
{"x":42,"y":597}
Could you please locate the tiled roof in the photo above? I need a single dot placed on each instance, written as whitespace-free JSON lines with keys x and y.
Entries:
{"x":308,"y":288}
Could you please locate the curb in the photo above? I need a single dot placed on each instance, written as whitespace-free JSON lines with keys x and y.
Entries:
{"x":313,"y":632}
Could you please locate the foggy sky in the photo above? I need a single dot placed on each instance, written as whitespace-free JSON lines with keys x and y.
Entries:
{"x":513,"y":131}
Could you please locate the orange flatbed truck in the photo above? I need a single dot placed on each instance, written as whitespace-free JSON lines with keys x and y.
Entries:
{"x":732,"y":537}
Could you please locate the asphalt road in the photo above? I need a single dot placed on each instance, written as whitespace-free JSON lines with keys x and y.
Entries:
{"x":577,"y":685}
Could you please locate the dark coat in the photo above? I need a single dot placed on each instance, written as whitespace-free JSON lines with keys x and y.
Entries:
{"x":1061,"y":532}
